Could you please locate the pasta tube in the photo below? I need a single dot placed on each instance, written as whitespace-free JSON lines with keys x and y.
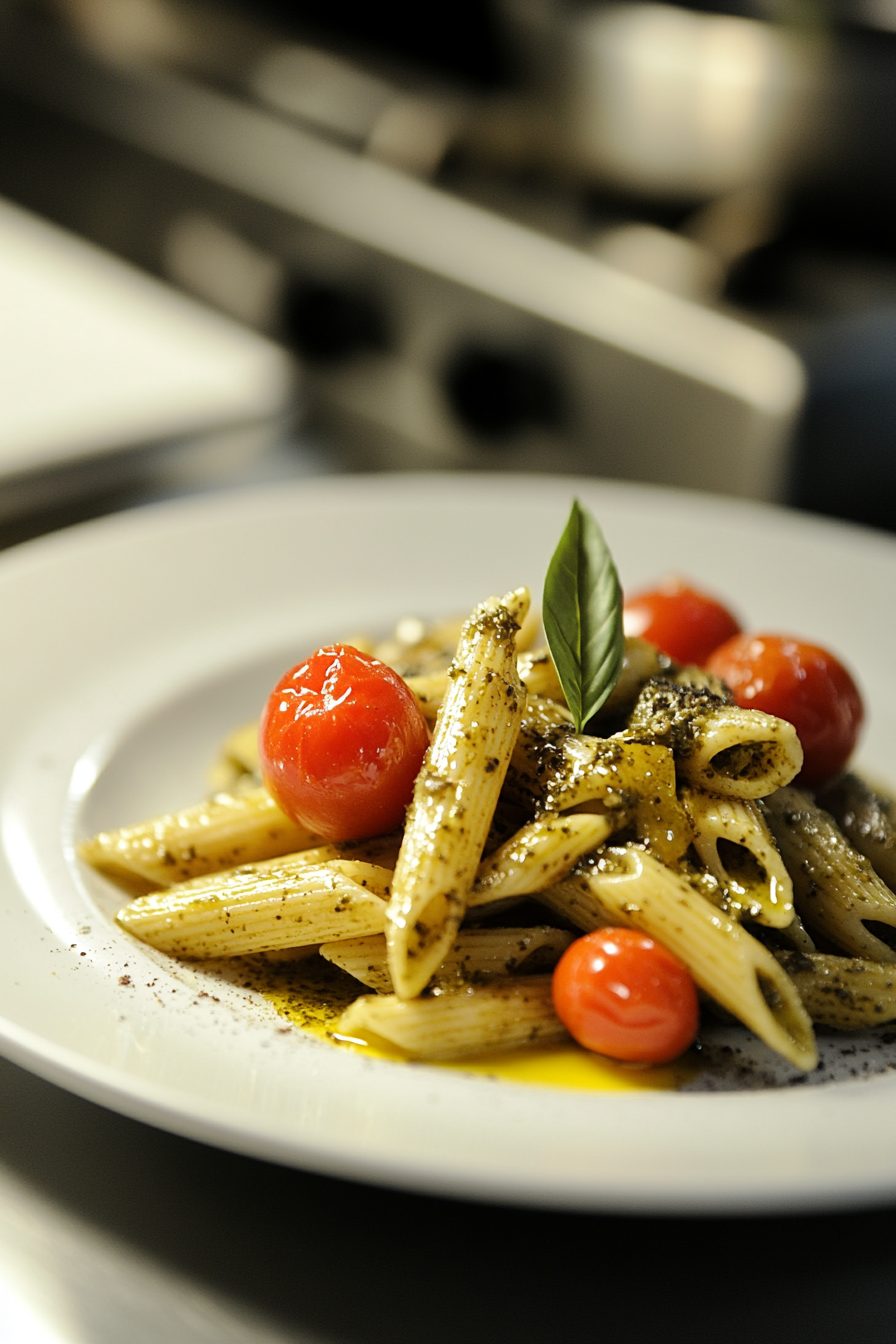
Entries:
{"x":539,"y":855}
{"x":797,"y":935}
{"x":364,"y":959}
{"x":254,"y":909}
{"x":698,"y":679}
{"x":478,"y":954}
{"x":640,"y":662}
{"x":456,"y":792}
{"x":845,"y":992}
{"x":416,"y":649}
{"x":555,"y":769}
{"x":430,"y":690}
{"x":836,"y":891}
{"x":629,"y":887}
{"x":241,"y":747}
{"x":205,"y":838}
{"x":865,"y":819}
{"x":741,"y":753}
{"x":733,"y":842}
{"x":501,"y":1015}
{"x":539,"y":675}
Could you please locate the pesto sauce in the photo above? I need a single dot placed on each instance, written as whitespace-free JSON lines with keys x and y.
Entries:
{"x":312,"y":994}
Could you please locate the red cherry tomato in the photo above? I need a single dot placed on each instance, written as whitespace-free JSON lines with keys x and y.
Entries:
{"x":803,"y":684}
{"x":341,"y":742}
{"x":621,"y":994}
{"x":681,"y":622}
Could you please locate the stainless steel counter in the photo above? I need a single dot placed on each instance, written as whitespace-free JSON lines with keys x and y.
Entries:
{"x":113,"y":1231}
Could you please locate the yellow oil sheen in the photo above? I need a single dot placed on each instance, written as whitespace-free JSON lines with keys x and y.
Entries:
{"x":312,"y":995}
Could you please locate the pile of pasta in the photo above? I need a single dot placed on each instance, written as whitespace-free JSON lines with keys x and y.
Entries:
{"x":679,"y":820}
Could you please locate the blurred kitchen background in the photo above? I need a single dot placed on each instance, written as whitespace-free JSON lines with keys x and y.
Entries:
{"x":244,"y":242}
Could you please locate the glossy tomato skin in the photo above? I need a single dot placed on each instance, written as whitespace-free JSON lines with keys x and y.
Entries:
{"x":341,"y":742}
{"x":621,"y":994}
{"x":802,"y":683}
{"x":679,"y":620}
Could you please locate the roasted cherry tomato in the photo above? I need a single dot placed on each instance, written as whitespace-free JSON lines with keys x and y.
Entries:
{"x":803,"y":684}
{"x":621,"y":994}
{"x":341,"y":742}
{"x":681,"y":622}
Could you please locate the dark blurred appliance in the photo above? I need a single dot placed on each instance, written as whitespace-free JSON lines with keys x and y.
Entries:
{"x":287,"y":184}
{"x":547,"y":238}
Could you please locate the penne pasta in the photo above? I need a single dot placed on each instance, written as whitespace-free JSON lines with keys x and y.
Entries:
{"x":456,"y":793}
{"x":741,"y":753}
{"x":258,"y":909}
{"x":797,"y":936}
{"x":631,"y":888}
{"x":866,"y":820}
{"x":698,"y":679}
{"x":640,"y":662}
{"x":733,"y":842}
{"x":241,"y":748}
{"x":836,"y":890}
{"x":365,"y":959}
{"x":555,"y":769}
{"x":416,"y":649}
{"x":538,"y":855}
{"x":501,"y":1015}
{"x":228,"y":830}
{"x":844,"y":992}
{"x":430,"y":691}
{"x":539,"y":675}
{"x":477,"y":954}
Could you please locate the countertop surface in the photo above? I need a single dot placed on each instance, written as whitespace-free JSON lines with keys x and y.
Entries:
{"x":111,"y":1230}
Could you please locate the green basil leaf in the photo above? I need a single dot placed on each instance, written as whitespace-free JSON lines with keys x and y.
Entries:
{"x":582,"y":613}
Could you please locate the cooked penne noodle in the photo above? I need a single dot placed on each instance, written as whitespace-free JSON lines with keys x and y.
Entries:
{"x":206,"y":838}
{"x":733,"y":842}
{"x":529,"y":631}
{"x":797,"y":935}
{"x":484,"y":953}
{"x":844,"y":992}
{"x":539,"y":675}
{"x":477,"y":954}
{"x":241,"y":747}
{"x":865,"y":819}
{"x":365,"y":959}
{"x":741,"y":753}
{"x":415,"y":648}
{"x":456,"y":793}
{"x":836,"y":890}
{"x":554,"y":769}
{"x":381,"y":850}
{"x":501,"y":1015}
{"x":640,"y":662}
{"x":258,"y":909}
{"x":698,"y":679}
{"x":539,"y":855}
{"x":281,"y":955}
{"x":660,"y":821}
{"x":430,"y":691}
{"x":630,"y":887}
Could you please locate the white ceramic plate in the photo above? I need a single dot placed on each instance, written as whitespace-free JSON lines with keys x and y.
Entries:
{"x":131,"y":645}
